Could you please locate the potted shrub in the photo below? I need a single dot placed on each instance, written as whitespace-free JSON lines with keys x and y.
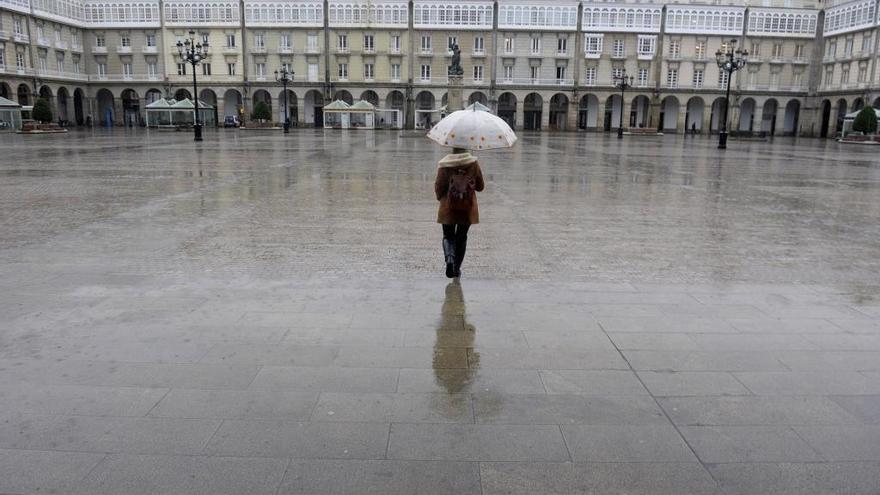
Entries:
{"x":261,"y":112}
{"x":865,"y":121}
{"x":42,"y":112}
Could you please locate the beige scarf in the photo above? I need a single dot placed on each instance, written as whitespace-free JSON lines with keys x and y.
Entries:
{"x":456,"y":160}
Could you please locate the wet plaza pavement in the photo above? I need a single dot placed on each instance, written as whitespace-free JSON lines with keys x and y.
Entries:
{"x":261,"y":314}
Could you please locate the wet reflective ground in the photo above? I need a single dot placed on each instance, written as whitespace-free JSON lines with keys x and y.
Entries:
{"x":260,"y":314}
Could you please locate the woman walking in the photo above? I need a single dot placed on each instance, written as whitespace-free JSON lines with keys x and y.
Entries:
{"x":459,"y":178}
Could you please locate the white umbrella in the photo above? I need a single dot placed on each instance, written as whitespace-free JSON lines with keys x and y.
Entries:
{"x":473,"y":128}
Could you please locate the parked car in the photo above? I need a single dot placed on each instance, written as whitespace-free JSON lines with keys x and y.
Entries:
{"x":231,"y":121}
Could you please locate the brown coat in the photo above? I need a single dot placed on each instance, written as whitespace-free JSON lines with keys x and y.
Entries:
{"x":447,"y":216}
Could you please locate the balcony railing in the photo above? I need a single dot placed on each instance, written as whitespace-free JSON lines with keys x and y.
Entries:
{"x":529,"y":81}
{"x":124,"y":77}
{"x":285,"y":49}
{"x":313,"y":49}
{"x":4,"y":35}
{"x":99,"y":49}
{"x":61,"y":45}
{"x":426,"y":52}
{"x":149,"y":49}
{"x":61,"y":74}
{"x":44,"y":42}
{"x":478,"y":53}
{"x":645,"y":56}
{"x":123,"y":49}
{"x":342,"y":49}
{"x":229,"y":50}
{"x":76,"y":47}
{"x":370,"y":50}
{"x":394,"y":50}
{"x":589,"y":54}
{"x":433,"y":80}
{"x":21,"y":38}
{"x":258,"y":48}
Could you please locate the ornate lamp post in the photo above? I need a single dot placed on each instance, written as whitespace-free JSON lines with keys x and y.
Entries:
{"x":729,"y":60}
{"x":621,"y":82}
{"x":193,"y":53}
{"x":285,"y":77}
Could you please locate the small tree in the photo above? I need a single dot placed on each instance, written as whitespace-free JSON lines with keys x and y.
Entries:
{"x":866,"y":121}
{"x":42,"y":112}
{"x":261,"y":111}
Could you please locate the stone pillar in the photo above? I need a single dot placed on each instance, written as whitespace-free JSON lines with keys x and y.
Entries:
{"x":545,"y":115}
{"x":118,"y":112}
{"x":520,"y":114}
{"x":707,"y":119}
{"x":571,"y":118}
{"x":410,"y":112}
{"x":780,"y":121}
{"x":682,"y":125}
{"x":454,"y":99}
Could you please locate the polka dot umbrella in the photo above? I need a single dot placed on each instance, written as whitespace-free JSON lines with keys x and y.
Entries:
{"x":473,"y":128}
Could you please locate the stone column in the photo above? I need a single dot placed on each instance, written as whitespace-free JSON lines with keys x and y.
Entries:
{"x":682,"y":125}
{"x":571,"y":118}
{"x":780,"y":121}
{"x":545,"y":115}
{"x":454,"y":99}
{"x":520,"y":114}
{"x":707,"y":120}
{"x":118,"y":112}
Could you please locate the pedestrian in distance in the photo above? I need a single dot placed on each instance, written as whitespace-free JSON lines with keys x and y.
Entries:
{"x":459,"y":178}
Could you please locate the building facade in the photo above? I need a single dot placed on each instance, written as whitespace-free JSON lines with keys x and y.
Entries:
{"x":539,"y":64}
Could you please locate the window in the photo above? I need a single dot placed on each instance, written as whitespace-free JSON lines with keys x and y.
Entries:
{"x":368,"y":72}
{"x":259,"y":41}
{"x":77,"y":68}
{"x":342,"y":72}
{"x":799,"y":51}
{"x":206,"y":69}
{"x":863,"y":74}
{"x":847,"y":48}
{"x":535,"y":73}
{"x":100,"y":40}
{"x":755,"y":51}
{"x":831,"y":50}
{"x":395,"y":44}
{"x":102,"y":69}
{"x":313,"y":72}
{"x":723,"y":76}
{"x":181,"y":69}
{"x":74,"y":39}
{"x":125,"y":41}
{"x":700,"y":50}
{"x":593,"y":45}
{"x":698,"y":78}
{"x":369,"y":43}
{"x":646,"y":45}
{"x":536,"y":45}
{"x":152,"y":70}
{"x":44,"y":65}
{"x":40,"y":33}
{"x":450,"y":41}
{"x":59,"y":64}
{"x":230,"y":69}
{"x":829,"y":76}
{"x":426,"y":72}
{"x":774,"y":79}
{"x":285,"y":42}
{"x":57,"y":35}
{"x":260,"y":68}
{"x":395,"y":72}
{"x":616,"y":74}
{"x":617,"y":48}
{"x":479,"y":46}
{"x":844,"y":76}
{"x":151,"y":40}
{"x":230,"y":41}
{"x":478,"y":73}
{"x":2,"y":58}
{"x":590,"y":76}
{"x":312,"y":43}
{"x":342,"y":42}
{"x":426,"y":44}
{"x":777,"y":51}
{"x":642,"y":78}
{"x":126,"y":70}
{"x":562,"y":46}
{"x":16,"y":26}
{"x":867,"y":40}
{"x":508,"y":44}
{"x":205,"y":38}
{"x":19,"y":60}
{"x":671,"y":78}
{"x":797,"y":79}
{"x":508,"y":73}
{"x":674,"y":49}
{"x":560,"y":74}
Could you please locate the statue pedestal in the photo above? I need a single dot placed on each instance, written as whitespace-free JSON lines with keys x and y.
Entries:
{"x":453,"y":97}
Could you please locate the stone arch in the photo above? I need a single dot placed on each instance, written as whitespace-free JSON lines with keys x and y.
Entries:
{"x":261,"y":95}
{"x":588,"y":112}
{"x":313,"y":104}
{"x":768,"y":116}
{"x":613,"y":113}
{"x":693,"y":120}
{"x":344,"y":96}
{"x":78,"y":109}
{"x":719,"y":114}
{"x":841,"y":113}
{"x":182,"y":94}
{"x":152,"y":95}
{"x":5,"y":91}
{"x":858,"y":104}
{"x":105,"y":105}
{"x":533,"y":106}
{"x":558,"y":111}
{"x":425,"y":106}
{"x":232,"y":104}
{"x":24,"y":95}
{"x":669,"y":110}
{"x":131,"y":108}
{"x":826,"y":118}
{"x":876,"y":103}
{"x":507,"y":108}
{"x":397,"y":101}
{"x":371,"y":97}
{"x":792,"y":116}
{"x":746,"y":116}
{"x":292,"y":106}
{"x":478,"y":97}
{"x":638,"y":116}
{"x":208,"y":96}
{"x":63,"y":104}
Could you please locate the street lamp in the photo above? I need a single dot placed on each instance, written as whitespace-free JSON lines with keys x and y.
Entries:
{"x":621,"y":82}
{"x":193,"y":53}
{"x":729,"y":60}
{"x":285,"y":77}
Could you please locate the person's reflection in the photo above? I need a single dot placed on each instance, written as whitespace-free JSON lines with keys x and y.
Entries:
{"x":453,"y":335}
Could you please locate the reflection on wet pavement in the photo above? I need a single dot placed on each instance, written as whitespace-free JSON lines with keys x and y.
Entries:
{"x":268,"y":314}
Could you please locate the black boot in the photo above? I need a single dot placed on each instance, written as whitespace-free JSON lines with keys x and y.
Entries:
{"x":449,"y":256}
{"x":460,"y":249}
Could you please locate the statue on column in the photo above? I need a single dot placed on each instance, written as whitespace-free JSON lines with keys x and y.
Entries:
{"x":455,"y":67}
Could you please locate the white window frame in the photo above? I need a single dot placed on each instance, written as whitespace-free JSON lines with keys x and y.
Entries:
{"x":618,"y":48}
{"x":698,"y":77}
{"x":478,"y":73}
{"x":593,"y":45}
{"x":369,"y":72}
{"x":671,"y":78}
{"x":342,"y":71}
{"x":590,"y":75}
{"x":425,"y":73}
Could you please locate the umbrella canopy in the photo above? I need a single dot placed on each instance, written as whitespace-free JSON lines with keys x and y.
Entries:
{"x":473,"y":128}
